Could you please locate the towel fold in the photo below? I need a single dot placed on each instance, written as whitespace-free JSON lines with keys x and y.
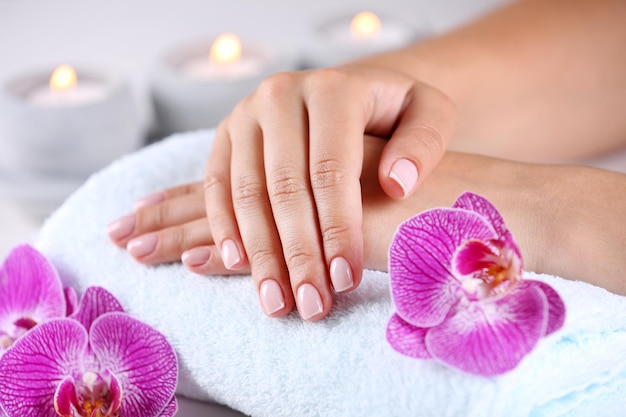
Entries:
{"x":231,"y":353}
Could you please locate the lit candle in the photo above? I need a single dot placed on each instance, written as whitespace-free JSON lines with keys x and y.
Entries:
{"x":350,"y":37}
{"x":66,"y":123}
{"x":196,"y":86}
{"x":225,"y":61}
{"x":64,"y":90}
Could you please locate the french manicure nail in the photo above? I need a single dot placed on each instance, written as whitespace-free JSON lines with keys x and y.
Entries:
{"x":196,"y":257}
{"x":271,"y":295}
{"x":143,"y":245}
{"x":230,"y":254}
{"x":404,"y":173}
{"x":149,"y":200}
{"x":309,"y":301}
{"x":121,"y":227}
{"x":341,"y":274}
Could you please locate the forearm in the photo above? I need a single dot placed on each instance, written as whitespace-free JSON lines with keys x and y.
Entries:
{"x":538,"y":80}
{"x":567,"y":220}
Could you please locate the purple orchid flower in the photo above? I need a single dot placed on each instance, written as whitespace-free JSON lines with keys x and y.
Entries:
{"x":30,"y":293}
{"x":98,"y":363}
{"x":456,"y":281}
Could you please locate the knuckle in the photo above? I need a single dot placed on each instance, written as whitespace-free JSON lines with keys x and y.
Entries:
{"x":432,"y":143}
{"x":219,"y":221}
{"x":277,"y":86}
{"x":287,"y":186}
{"x":180,"y":237}
{"x":214,"y":180}
{"x":298,"y":257}
{"x":327,"y":173}
{"x":248,"y":190}
{"x":173,"y":241}
{"x":242,"y":109}
{"x":327,"y":80}
{"x":259,"y":257}
{"x":334,"y":234}
{"x":150,"y":218}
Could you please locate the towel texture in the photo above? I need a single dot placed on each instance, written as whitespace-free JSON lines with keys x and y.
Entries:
{"x":231,"y":353}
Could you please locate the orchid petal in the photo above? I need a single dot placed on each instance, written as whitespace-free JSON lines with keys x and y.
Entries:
{"x":71,"y":300}
{"x":507,"y":241}
{"x":65,"y":399}
{"x":424,"y":288}
{"x":29,"y":287}
{"x":170,"y":409}
{"x":37,"y":362}
{"x":142,"y":360}
{"x":556,"y":310}
{"x":95,"y":302}
{"x":491,"y":338}
{"x":116,"y":393}
{"x":479,"y":204}
{"x":406,"y":338}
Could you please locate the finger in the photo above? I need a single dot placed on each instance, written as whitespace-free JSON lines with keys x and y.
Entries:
{"x":424,"y":130}
{"x":167,"y":245}
{"x":152,"y":218}
{"x":218,"y":201}
{"x":293,"y":208}
{"x":255,"y":218}
{"x":335,"y":161}
{"x":167,"y":194}
{"x":206,"y":260}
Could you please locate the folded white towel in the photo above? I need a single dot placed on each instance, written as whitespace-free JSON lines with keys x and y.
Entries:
{"x":341,"y":366}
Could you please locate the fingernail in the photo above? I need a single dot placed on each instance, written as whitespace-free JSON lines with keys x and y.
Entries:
{"x":121,"y":227}
{"x":196,"y":256}
{"x":341,"y":274}
{"x":142,"y":245}
{"x":271,"y":295}
{"x":309,"y":301}
{"x":149,"y":200}
{"x":230,"y":254}
{"x":404,"y":173}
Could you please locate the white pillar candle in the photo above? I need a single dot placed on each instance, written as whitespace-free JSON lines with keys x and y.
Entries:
{"x":349,"y":37}
{"x":69,"y":124}
{"x":197,"y":85}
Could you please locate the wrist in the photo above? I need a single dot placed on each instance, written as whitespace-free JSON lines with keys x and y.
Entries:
{"x":586,"y":238}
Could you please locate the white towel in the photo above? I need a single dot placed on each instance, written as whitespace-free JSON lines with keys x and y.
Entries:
{"x":231,"y":353}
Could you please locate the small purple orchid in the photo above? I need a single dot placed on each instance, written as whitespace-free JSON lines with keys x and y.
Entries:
{"x":30,"y":293}
{"x":98,"y":363}
{"x":456,"y":281}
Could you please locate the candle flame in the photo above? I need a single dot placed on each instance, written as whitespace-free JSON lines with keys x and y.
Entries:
{"x":365,"y":25}
{"x":63,"y":79}
{"x":226,"y":49}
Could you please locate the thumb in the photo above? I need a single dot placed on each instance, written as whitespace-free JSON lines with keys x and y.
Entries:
{"x":425,"y":126}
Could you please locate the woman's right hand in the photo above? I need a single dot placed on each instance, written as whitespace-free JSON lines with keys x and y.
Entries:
{"x":282,"y":185}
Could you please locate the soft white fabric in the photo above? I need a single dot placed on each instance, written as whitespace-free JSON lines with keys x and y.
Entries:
{"x":231,"y":353}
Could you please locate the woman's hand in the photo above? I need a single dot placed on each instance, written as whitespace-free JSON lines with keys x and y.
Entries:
{"x":282,"y":186}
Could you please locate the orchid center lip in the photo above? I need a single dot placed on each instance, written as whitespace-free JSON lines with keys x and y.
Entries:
{"x":95,"y":395}
{"x":25,"y":323}
{"x":20,"y":327}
